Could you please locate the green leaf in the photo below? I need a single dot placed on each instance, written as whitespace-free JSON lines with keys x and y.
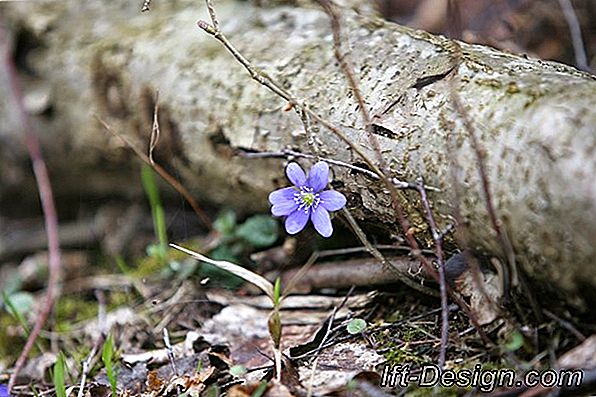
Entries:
{"x":277,"y":292}
{"x":220,"y":276}
{"x":260,"y":390}
{"x":274,"y":325}
{"x":225,"y":223}
{"x":18,"y":304}
{"x":237,"y":371}
{"x":13,"y":282}
{"x":58,"y":376}
{"x":157,"y":211}
{"x":107,"y":357}
{"x":184,"y":269}
{"x":260,"y":231}
{"x":515,"y":340}
{"x":356,"y":326}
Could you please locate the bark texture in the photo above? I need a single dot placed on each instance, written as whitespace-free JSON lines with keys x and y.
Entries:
{"x":536,"y":120}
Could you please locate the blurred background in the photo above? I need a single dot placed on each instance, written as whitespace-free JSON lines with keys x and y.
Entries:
{"x":544,"y":29}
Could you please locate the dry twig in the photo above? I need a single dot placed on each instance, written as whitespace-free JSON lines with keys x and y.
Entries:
{"x":101,"y":321}
{"x":438,"y":240}
{"x":510,"y":271}
{"x":164,"y":174}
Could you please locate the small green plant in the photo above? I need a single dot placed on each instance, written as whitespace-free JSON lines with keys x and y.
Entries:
{"x":17,"y":314}
{"x":107,"y":357}
{"x":256,"y":232}
{"x":273,"y":291}
{"x":515,"y":341}
{"x":17,"y":304}
{"x":159,"y":250}
{"x":236,"y":241}
{"x":122,"y":266}
{"x":356,"y":326}
{"x":58,"y":376}
{"x":238,"y":371}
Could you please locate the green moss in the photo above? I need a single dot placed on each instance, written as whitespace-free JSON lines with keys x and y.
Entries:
{"x":146,"y":266}
{"x":73,"y":309}
{"x":10,"y":345}
{"x":119,"y":298}
{"x":396,"y":351}
{"x":151,"y":265}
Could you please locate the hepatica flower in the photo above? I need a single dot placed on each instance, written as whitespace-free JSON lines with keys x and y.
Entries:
{"x":307,"y":199}
{"x":4,"y":391}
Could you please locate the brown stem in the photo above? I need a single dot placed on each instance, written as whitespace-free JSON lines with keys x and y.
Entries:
{"x":47,"y":203}
{"x":438,"y":240}
{"x":165,"y":175}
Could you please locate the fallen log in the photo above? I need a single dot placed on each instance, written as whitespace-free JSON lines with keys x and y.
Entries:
{"x":535,"y":120}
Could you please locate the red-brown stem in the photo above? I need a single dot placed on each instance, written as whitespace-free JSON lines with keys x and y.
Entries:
{"x":47,"y":203}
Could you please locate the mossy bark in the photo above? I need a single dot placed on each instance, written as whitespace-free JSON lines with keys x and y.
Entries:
{"x":535,"y":120}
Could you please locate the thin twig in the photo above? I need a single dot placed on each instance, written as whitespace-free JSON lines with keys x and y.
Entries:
{"x":286,"y":153}
{"x":347,"y":70}
{"x":581,"y":59}
{"x":101,"y":321}
{"x":353,"y":250}
{"x":155,"y":130}
{"x":510,"y":271}
{"x":47,"y":202}
{"x":395,"y":201}
{"x":438,"y":240}
{"x":462,"y":232}
{"x":292,"y":153}
{"x":164,"y":174}
{"x":212,"y":14}
{"x":166,"y":341}
{"x":266,"y":81}
{"x":496,"y":223}
{"x":323,"y":340}
{"x":381,"y":258}
{"x":565,"y":324}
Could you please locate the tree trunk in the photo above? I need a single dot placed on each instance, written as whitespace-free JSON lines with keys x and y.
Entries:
{"x":535,"y":120}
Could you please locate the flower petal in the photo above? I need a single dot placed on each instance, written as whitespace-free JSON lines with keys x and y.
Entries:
{"x":284,"y":208}
{"x":282,"y":195}
{"x":318,"y":177}
{"x":296,"y":174}
{"x":321,"y":221}
{"x":296,"y":221}
{"x":332,"y":200}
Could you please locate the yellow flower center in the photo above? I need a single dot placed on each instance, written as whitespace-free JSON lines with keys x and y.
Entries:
{"x":308,"y":199}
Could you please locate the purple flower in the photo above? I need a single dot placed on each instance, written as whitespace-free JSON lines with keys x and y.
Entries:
{"x":4,"y":391}
{"x":306,"y":199}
